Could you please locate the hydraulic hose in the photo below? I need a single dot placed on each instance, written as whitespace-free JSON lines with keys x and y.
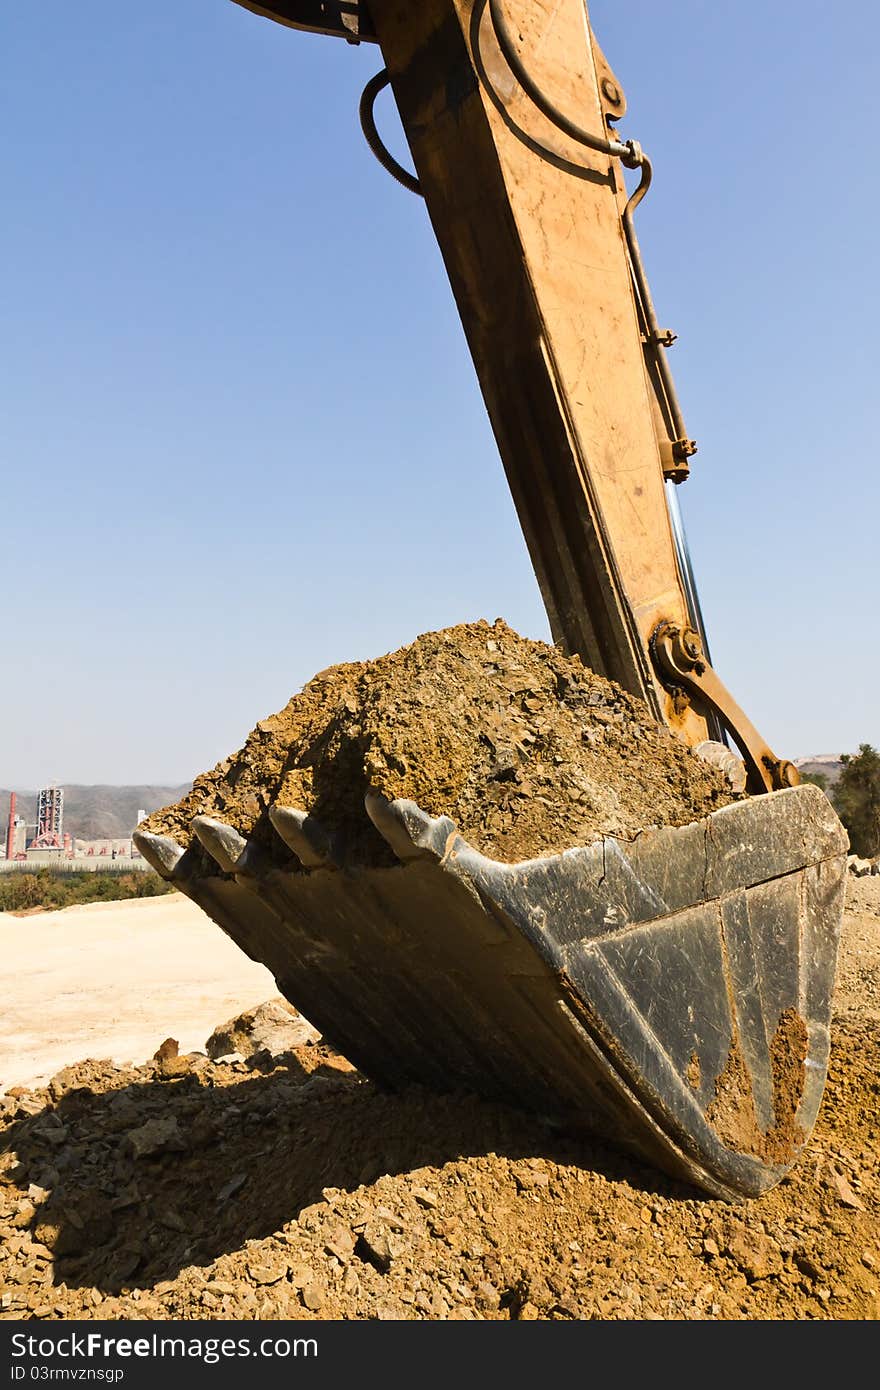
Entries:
{"x":367,"y":115}
{"x":628,"y":152}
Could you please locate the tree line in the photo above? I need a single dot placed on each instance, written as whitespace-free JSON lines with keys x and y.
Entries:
{"x":45,"y":888}
{"x":855,"y":797}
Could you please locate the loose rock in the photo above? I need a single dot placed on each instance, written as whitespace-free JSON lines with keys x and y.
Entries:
{"x":274,"y":1027}
{"x":158,"y":1136}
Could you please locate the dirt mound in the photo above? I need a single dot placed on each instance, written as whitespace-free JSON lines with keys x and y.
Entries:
{"x":857,"y":987}
{"x":295,"y":1189}
{"x":138,"y":1194}
{"x":524,"y":748}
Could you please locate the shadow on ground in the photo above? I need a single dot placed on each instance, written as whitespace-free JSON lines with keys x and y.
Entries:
{"x":238,"y":1162}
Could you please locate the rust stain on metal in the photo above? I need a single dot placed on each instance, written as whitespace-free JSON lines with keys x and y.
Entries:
{"x":732,"y":1111}
{"x":694,"y":1073}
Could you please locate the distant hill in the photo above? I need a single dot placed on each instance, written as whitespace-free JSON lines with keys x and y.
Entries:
{"x":97,"y":813}
{"x":828,"y":764}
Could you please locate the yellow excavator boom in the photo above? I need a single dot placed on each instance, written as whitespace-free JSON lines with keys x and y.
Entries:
{"x":674,"y":992}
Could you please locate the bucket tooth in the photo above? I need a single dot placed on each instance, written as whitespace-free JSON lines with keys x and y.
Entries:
{"x":161,"y":852}
{"x":410,"y":831}
{"x":224,"y":844}
{"x":307,"y":837}
{"x":672,"y":993}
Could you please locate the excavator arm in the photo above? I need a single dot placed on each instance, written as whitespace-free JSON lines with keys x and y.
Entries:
{"x":510,"y":111}
{"x":672,"y":992}
{"x":344,"y":19}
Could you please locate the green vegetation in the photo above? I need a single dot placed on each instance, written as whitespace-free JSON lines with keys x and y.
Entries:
{"x":816,"y":779}
{"x":46,"y":888}
{"x":856,"y":799}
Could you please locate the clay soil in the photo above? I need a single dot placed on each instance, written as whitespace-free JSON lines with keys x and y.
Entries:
{"x":293,"y":1188}
{"x":526,"y":750}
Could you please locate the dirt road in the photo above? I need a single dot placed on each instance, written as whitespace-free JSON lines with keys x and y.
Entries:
{"x":113,"y":980}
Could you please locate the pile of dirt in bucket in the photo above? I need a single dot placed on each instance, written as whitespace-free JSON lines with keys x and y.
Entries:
{"x":524,"y":748}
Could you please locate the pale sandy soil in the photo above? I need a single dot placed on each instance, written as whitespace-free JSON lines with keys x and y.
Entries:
{"x":113,"y":980}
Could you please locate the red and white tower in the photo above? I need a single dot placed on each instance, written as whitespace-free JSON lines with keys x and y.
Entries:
{"x":50,"y":815}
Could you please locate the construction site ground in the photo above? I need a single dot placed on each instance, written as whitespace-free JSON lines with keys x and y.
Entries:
{"x":111,"y":976}
{"x":292,"y":1188}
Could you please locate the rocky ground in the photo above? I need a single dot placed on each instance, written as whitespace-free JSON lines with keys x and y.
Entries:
{"x":291,"y":1188}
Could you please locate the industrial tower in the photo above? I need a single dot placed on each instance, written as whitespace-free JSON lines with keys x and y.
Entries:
{"x":50,"y":814}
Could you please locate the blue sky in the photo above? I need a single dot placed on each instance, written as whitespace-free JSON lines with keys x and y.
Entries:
{"x":241,"y":433}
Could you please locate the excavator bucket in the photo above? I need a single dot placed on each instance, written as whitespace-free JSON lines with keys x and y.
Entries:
{"x":672,"y":993}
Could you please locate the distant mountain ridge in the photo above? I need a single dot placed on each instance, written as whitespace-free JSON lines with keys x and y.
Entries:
{"x":99,"y":812}
{"x":828,"y":764}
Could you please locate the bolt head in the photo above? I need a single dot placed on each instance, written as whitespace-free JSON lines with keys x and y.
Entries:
{"x":691,"y":643}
